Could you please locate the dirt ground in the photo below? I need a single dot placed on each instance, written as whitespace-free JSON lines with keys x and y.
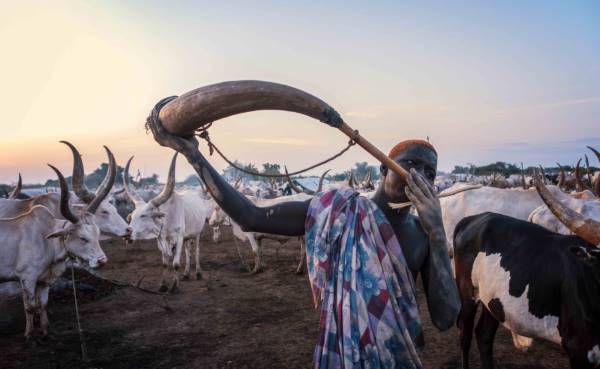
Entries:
{"x":230,"y":319}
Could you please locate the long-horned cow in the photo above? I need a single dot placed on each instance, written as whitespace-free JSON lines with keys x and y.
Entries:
{"x":34,"y":246}
{"x":174,"y":219}
{"x":106,"y":215}
{"x":536,"y":283}
{"x":108,"y":219}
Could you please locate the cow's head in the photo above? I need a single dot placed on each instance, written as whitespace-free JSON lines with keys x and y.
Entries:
{"x":217,"y":218}
{"x":147,"y":219}
{"x":107,"y":218}
{"x":80,"y":235}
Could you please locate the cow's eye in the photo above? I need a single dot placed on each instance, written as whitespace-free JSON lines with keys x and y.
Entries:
{"x":104,"y":212}
{"x":83,"y":239}
{"x":142,"y":216}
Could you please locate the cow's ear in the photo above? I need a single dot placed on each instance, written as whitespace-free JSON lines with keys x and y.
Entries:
{"x":60,"y":233}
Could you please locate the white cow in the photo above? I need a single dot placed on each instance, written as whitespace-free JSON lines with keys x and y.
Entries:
{"x":218,"y":217}
{"x":517,"y":203}
{"x":106,"y":216}
{"x":34,"y":247}
{"x":174,"y":219}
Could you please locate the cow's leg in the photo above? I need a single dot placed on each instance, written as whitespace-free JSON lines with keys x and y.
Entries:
{"x":485,"y":332}
{"x":302,"y":262}
{"x":257,"y":248}
{"x":188,"y":250}
{"x":177,"y":264}
{"x":198,"y":266}
{"x":42,"y":297}
{"x":163,"y":280}
{"x":466,"y":320}
{"x":28,"y":288}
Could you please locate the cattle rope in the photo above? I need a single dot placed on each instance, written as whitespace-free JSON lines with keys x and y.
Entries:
{"x":84,"y":356}
{"x":203,"y":134}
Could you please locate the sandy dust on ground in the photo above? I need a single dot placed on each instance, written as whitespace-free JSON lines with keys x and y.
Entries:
{"x":230,"y":319}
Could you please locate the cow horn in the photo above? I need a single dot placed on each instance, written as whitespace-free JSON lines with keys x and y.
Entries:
{"x":320,"y":188}
{"x":350,"y":179}
{"x":64,"y":197}
{"x":133,"y":196}
{"x":78,"y":178}
{"x":291,"y":183}
{"x":586,"y":228}
{"x":107,"y":183}
{"x":561,"y":176}
{"x":238,"y":182}
{"x":203,"y":105}
{"x":580,"y":185}
{"x":17,"y":190}
{"x":523,"y":177}
{"x":169,"y":186}
{"x":595,"y":152}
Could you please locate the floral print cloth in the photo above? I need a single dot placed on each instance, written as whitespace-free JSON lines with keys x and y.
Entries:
{"x":369,"y":314}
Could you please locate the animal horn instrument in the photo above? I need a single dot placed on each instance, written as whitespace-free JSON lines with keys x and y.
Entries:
{"x":184,"y":114}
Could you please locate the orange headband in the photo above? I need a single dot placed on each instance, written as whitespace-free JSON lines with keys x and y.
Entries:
{"x":401,"y":146}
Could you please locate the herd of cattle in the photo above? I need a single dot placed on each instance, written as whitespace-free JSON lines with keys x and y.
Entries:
{"x":527,"y":249}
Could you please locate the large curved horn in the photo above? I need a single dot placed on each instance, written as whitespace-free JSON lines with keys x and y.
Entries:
{"x":210,"y":103}
{"x":17,"y":190}
{"x":64,"y":197}
{"x":586,"y":228}
{"x":291,"y":183}
{"x":561,"y":176}
{"x":184,"y":114}
{"x":107,"y":183}
{"x":133,"y":196}
{"x":580,"y":185}
{"x":169,"y":186}
{"x":78,"y":178}
{"x":320,"y":188}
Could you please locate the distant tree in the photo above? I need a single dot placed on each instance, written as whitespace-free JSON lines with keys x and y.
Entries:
{"x":191,"y":180}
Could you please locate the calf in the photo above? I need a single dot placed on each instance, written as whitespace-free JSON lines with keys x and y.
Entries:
{"x":537,"y":283}
{"x":35,"y":245}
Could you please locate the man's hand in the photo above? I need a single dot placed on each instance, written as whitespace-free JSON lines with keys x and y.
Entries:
{"x":424,"y":198}
{"x":184,"y":145}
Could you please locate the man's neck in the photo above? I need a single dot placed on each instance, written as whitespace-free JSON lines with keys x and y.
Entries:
{"x":381,"y":199}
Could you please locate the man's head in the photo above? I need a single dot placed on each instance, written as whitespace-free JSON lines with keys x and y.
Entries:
{"x":417,"y":154}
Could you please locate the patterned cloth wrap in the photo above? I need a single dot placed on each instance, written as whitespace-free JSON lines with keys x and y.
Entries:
{"x":369,"y":313}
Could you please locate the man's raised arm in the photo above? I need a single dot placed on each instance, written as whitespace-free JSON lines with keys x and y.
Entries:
{"x":284,"y":219}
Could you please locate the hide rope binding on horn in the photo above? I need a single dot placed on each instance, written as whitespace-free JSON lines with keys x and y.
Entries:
{"x":330,"y":117}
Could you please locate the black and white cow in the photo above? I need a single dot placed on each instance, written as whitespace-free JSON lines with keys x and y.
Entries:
{"x":537,"y":283}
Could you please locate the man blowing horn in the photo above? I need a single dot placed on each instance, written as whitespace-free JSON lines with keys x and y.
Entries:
{"x":363,"y":257}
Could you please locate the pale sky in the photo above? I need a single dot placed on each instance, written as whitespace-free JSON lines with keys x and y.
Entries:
{"x":513,"y":81}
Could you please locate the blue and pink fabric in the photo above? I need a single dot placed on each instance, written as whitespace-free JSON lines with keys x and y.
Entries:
{"x":369,"y":314}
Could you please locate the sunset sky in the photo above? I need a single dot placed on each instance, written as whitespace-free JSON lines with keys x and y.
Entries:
{"x":514,"y":81}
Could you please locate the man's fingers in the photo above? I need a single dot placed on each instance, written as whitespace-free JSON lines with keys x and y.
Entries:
{"x":422,"y":183}
{"x":411,"y":196}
